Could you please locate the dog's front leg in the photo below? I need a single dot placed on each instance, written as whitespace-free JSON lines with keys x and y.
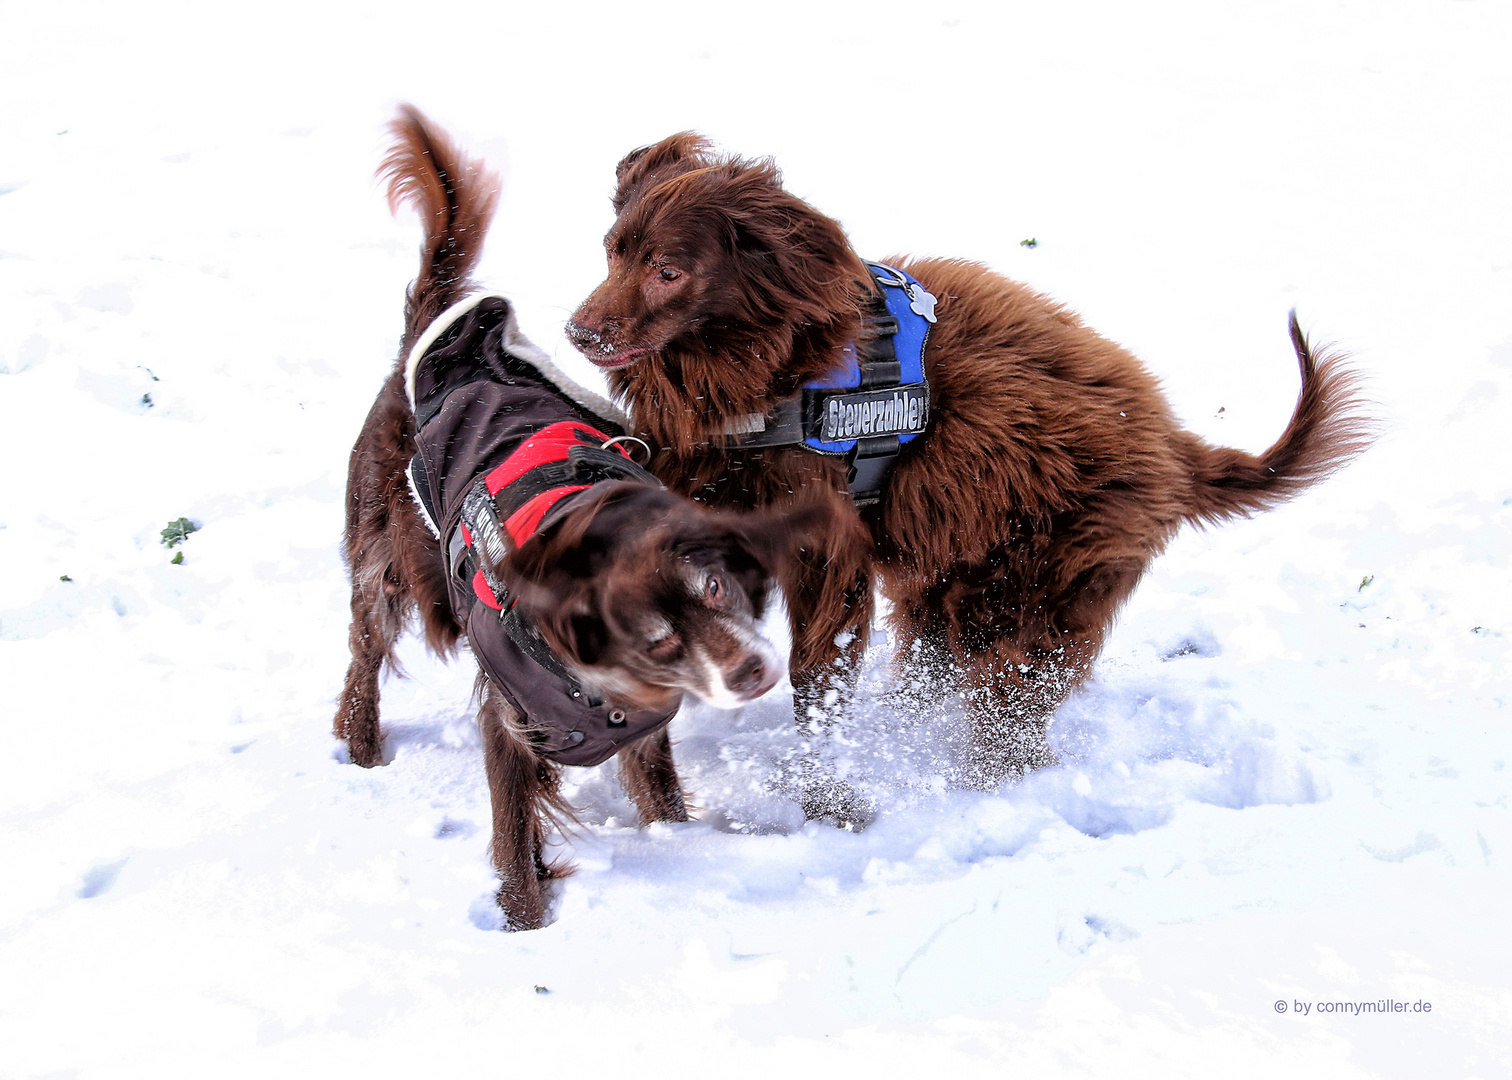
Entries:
{"x":521,"y":786}
{"x":650,"y":779}
{"x":830,"y":602}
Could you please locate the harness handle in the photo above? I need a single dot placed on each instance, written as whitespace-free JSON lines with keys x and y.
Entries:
{"x":886,"y":275}
{"x":607,"y":443}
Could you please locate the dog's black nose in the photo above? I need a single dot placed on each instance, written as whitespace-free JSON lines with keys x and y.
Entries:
{"x":580,"y":335}
{"x":751,"y":677}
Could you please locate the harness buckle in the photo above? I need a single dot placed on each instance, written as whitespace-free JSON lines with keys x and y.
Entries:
{"x":868,"y":465}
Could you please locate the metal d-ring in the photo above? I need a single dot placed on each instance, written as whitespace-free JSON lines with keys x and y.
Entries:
{"x":897,"y":280}
{"x":629,"y":439}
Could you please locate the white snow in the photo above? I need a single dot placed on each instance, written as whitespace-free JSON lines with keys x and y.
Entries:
{"x":1287,"y":782}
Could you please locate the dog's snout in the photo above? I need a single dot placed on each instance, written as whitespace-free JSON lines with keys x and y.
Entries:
{"x":595,"y":336}
{"x":580,"y":335}
{"x":752,"y":677}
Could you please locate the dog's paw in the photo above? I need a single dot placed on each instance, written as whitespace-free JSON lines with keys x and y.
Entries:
{"x":366,"y":752}
{"x":518,"y":911}
{"x":989,"y":767}
{"x":838,"y":803}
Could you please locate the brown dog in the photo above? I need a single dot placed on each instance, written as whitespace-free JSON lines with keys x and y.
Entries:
{"x":591,"y":597}
{"x":1049,"y":474}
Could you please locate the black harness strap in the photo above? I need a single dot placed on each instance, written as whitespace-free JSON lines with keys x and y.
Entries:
{"x":824,"y":417}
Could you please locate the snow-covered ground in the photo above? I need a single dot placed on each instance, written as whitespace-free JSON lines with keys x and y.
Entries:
{"x":1287,"y":783}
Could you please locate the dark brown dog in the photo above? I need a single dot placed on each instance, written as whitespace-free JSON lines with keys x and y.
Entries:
{"x":637,"y":594}
{"x":1011,"y":531}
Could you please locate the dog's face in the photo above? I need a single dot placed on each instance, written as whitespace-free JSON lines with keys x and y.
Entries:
{"x":711,"y":253}
{"x":645,"y":596}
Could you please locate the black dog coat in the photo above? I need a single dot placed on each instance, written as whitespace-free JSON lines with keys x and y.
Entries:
{"x":504,"y":444}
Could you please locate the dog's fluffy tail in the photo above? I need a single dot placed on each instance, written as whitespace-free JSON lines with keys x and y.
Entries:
{"x":455,"y":197}
{"x":1328,"y":429}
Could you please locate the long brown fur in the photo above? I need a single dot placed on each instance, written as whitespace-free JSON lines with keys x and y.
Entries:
{"x":1010,"y":533}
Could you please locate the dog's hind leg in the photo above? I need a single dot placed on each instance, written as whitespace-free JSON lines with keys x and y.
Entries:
{"x":650,"y":779}
{"x":375,"y":625}
{"x":380,"y":517}
{"x":1021,"y":648}
{"x":523,"y":790}
{"x":1011,"y":696}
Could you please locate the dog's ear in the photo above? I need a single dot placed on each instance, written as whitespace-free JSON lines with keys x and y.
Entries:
{"x":577,"y":633}
{"x":553,"y":575}
{"x":771,"y":544}
{"x":578,"y":545}
{"x":786,"y":247}
{"x":673,"y":156}
{"x":776,"y":535}
{"x":550,"y":578}
{"x":568,"y":621}
{"x":570,"y":549}
{"x":590,"y":638}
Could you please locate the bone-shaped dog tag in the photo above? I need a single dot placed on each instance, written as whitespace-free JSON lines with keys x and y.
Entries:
{"x":921,"y":301}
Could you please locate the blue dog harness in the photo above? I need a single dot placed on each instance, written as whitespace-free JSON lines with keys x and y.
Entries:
{"x":876,"y":400}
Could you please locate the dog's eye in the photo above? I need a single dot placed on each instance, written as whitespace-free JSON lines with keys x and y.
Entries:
{"x":715,"y":590}
{"x":666,"y":273}
{"x":666,"y":649}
